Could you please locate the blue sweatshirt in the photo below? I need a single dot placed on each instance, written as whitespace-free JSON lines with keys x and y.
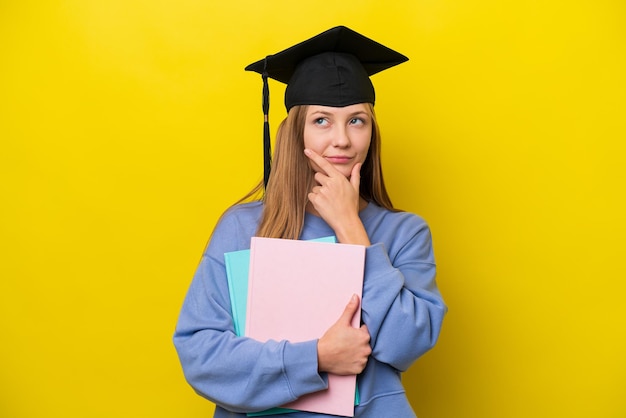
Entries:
{"x":401,"y":306}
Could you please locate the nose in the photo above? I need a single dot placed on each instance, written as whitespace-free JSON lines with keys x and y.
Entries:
{"x":341,"y":138}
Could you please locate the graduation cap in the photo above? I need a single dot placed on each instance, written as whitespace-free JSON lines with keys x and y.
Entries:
{"x":329,"y":69}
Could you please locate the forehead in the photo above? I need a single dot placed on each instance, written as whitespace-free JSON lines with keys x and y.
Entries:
{"x":339,"y":111}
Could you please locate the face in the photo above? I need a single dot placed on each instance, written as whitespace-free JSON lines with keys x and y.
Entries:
{"x":341,"y":135}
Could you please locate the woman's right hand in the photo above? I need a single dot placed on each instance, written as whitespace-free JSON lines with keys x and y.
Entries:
{"x":343,"y":349}
{"x":336,"y":199}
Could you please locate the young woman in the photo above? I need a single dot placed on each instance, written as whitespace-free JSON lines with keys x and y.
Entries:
{"x":326,"y":179}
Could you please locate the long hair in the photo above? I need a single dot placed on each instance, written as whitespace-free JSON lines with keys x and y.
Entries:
{"x":285,"y":198}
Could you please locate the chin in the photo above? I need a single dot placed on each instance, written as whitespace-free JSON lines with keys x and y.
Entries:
{"x":346,"y":173}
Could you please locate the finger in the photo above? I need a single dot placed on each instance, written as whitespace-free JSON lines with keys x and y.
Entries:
{"x":364,"y":329}
{"x":320,"y":178}
{"x":355,"y":176}
{"x":350,"y":310}
{"x":321,"y":162}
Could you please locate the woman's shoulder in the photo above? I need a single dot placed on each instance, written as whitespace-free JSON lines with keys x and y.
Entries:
{"x":242,"y":213}
{"x":375,"y":213}
{"x":234,"y":228}
{"x":400,"y":231}
{"x":245,"y":209}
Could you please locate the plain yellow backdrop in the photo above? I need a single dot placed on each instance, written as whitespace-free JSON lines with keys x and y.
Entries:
{"x":128,"y":126}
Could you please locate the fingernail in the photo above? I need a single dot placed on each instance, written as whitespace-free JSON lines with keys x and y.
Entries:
{"x":307,"y":152}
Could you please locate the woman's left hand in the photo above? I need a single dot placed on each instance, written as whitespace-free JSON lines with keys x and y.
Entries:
{"x":337,"y":199}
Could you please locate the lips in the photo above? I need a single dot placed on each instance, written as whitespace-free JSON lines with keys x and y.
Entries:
{"x":338,"y":159}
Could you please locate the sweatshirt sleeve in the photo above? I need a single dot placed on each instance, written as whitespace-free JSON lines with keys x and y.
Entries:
{"x":237,"y":373}
{"x":402,"y":306}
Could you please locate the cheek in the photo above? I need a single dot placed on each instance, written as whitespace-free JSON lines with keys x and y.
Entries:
{"x":364,"y":147}
{"x":310,"y":140}
{"x":317,"y":138}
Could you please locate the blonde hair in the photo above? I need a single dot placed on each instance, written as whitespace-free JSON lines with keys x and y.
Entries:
{"x":285,"y":198}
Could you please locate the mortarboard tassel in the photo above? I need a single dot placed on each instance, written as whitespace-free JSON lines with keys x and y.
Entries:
{"x":267,"y":151}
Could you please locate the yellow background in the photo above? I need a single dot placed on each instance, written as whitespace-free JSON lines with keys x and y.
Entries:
{"x":127,"y":126}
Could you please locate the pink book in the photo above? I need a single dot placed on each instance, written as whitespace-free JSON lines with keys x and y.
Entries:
{"x":296,"y":291}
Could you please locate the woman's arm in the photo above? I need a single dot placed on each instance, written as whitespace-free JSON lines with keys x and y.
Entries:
{"x":237,"y":373}
{"x":401,"y":305}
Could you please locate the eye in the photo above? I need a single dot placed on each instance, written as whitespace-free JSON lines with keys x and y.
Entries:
{"x":320,"y":121}
{"x":357,"y":121}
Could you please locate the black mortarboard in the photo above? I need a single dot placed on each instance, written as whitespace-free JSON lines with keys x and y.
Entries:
{"x":329,"y":69}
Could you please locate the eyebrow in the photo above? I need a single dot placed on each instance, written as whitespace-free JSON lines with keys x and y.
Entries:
{"x":325,"y":113}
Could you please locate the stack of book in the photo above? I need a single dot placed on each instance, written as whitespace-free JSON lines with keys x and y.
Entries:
{"x":295,"y":290}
